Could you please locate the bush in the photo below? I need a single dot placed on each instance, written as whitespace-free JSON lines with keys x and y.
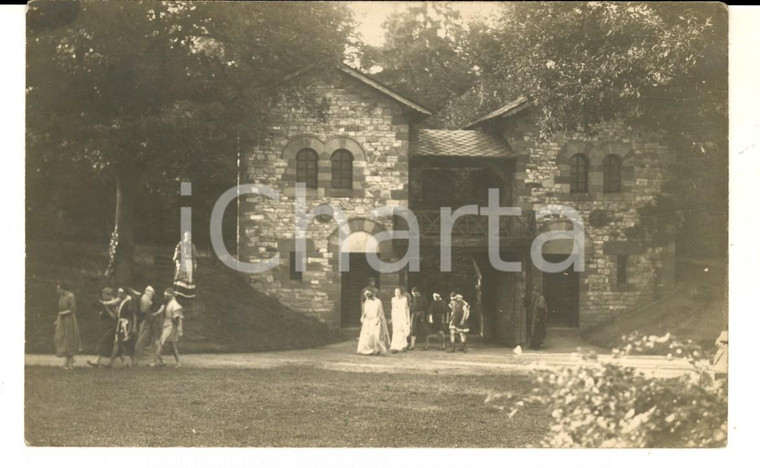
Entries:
{"x":611,"y":405}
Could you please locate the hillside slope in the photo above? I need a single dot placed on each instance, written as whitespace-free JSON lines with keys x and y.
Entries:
{"x":227,"y":316}
{"x":696,"y":310}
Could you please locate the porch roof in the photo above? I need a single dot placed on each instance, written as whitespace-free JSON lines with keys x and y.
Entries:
{"x":457,"y":143}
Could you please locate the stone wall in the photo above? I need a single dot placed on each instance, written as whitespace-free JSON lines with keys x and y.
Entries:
{"x":353,"y":116}
{"x":542,"y":177}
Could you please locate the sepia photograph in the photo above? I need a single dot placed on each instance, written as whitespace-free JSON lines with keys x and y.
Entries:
{"x":376,"y":224}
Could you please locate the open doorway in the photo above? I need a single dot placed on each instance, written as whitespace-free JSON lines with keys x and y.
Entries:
{"x":352,"y":284}
{"x":561,"y":294}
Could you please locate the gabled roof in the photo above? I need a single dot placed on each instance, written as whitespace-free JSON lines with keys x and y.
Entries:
{"x":383,"y":89}
{"x":467,"y":143}
{"x":508,"y":109}
{"x":359,"y":76}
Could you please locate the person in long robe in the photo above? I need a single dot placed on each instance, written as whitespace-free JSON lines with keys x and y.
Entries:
{"x":458,"y":324}
{"x":437,"y":320}
{"x":418,"y":308}
{"x":108,"y":318}
{"x":537,"y":314}
{"x":149,"y":329}
{"x":185,"y":264}
{"x":172,"y":317}
{"x":67,"y":339}
{"x":399,"y":321}
{"x":373,"y":338}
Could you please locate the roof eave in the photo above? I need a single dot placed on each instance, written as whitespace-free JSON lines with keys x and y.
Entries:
{"x":415,"y":108}
{"x":515,"y":107}
{"x":385,"y":90}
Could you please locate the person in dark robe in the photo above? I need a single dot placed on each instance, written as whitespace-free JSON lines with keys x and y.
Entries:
{"x":67,"y":339}
{"x":537,"y":315}
{"x":107,"y":315}
{"x":149,"y":330}
{"x":437,"y":319}
{"x":418,"y":310}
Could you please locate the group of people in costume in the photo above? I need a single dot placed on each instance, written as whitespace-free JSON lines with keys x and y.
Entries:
{"x":135,"y":327}
{"x":137,"y":330}
{"x":412,"y":317}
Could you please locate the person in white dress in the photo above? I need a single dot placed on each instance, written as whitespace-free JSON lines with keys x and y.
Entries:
{"x":373,"y":338}
{"x":400,"y":321}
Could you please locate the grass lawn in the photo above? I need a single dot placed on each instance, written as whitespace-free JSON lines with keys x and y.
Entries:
{"x":284,"y":407}
{"x":227,"y":316}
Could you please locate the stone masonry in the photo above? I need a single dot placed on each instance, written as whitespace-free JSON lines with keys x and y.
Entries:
{"x":376,"y":130}
{"x":543,"y":177}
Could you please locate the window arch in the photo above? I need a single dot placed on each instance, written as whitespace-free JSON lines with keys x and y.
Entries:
{"x":579,"y":173}
{"x":342,"y":169}
{"x":612,"y":166}
{"x":306,"y":167}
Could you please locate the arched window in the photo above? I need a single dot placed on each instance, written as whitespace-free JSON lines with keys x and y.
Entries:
{"x":342,"y":169}
{"x":306,"y":167}
{"x":612,"y":166}
{"x":578,"y":174}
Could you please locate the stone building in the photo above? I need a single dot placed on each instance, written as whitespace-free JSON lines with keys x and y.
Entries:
{"x":364,"y":147}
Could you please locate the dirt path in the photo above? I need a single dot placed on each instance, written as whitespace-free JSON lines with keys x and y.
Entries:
{"x":480,"y":359}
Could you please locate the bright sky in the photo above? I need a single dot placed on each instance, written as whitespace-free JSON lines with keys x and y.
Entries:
{"x":371,"y":15}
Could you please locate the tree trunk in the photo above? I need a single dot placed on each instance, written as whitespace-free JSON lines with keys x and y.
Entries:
{"x":124,"y":223}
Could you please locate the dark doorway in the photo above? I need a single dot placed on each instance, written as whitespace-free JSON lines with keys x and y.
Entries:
{"x":501,"y":302}
{"x":561,"y":294}
{"x":352,"y":284}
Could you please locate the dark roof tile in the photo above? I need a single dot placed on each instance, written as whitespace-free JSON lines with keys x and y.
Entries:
{"x":471,"y":143}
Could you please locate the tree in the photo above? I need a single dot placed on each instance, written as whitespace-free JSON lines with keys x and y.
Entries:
{"x":656,"y":66}
{"x":150,"y":93}
{"x":422,"y":56}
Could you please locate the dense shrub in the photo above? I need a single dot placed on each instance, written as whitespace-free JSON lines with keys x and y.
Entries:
{"x":610,"y":404}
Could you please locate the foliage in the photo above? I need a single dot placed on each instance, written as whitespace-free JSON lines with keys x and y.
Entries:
{"x":423,"y":54}
{"x":166,"y":85}
{"x":586,"y":62}
{"x":608,"y":404}
{"x":150,"y":93}
{"x":656,"y":66}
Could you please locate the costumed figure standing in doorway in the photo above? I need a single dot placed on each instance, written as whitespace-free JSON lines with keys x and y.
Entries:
{"x":400,"y":321}
{"x":537,"y":314}
{"x":373,"y":338}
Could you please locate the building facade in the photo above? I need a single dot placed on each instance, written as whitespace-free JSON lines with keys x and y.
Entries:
{"x":364,"y":147}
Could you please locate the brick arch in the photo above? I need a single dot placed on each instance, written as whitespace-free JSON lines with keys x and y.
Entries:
{"x":324,"y":150}
{"x":299,"y":142}
{"x":354,"y":225}
{"x":385,"y":250}
{"x":337,"y":142}
{"x":623,"y":150}
{"x":573,"y":147}
{"x":563,"y":224}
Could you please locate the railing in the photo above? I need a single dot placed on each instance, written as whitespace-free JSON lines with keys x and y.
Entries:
{"x":473,"y":226}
